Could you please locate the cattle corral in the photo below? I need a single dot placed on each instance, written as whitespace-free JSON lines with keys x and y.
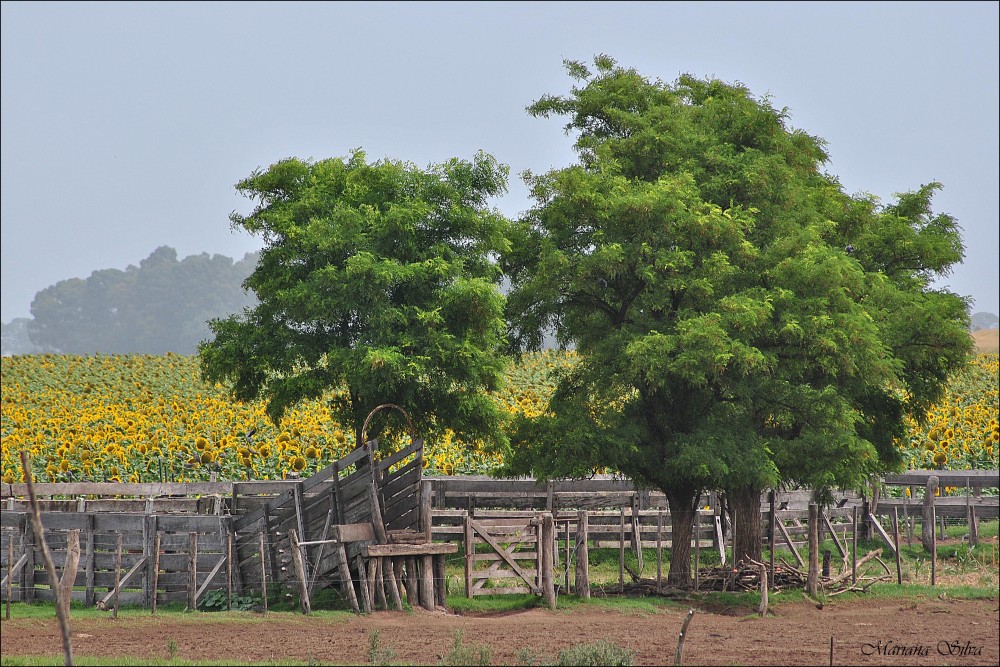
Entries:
{"x":376,"y":532}
{"x":180,"y":541}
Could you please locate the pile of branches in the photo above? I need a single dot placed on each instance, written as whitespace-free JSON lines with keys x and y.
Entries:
{"x":745,"y":576}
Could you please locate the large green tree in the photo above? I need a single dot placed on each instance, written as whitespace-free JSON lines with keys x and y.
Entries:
{"x":378,"y":281}
{"x":738,"y":315}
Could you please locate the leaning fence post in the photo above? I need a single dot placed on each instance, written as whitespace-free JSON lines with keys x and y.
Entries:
{"x":36,"y":522}
{"x":678,"y":655}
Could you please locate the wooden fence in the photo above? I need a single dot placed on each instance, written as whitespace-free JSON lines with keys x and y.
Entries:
{"x":235,"y":535}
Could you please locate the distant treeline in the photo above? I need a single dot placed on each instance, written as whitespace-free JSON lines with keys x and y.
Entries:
{"x":161,"y":306}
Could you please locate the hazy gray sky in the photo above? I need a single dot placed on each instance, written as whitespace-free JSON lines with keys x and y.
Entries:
{"x":125,"y":126}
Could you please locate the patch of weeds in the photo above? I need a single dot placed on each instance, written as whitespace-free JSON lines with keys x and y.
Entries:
{"x":377,"y":655}
{"x":601,"y":652}
{"x":461,"y":654}
{"x":172,"y":648}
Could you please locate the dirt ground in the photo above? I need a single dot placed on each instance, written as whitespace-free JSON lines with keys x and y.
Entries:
{"x":866,"y":632}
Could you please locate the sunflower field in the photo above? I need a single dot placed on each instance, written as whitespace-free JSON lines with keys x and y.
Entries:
{"x":134,"y":418}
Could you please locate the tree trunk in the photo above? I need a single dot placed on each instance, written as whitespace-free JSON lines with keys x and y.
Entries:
{"x":744,"y":503}
{"x":681,"y":502}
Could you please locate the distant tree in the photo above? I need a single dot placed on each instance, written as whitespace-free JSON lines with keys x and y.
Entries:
{"x":163,"y":305}
{"x":15,"y":339}
{"x":737,"y":314}
{"x":984,"y":321}
{"x":379,"y":280}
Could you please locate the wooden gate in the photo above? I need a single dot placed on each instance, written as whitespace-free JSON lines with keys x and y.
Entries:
{"x":511,"y":562}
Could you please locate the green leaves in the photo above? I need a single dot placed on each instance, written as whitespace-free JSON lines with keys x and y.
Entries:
{"x":708,"y":271}
{"x":379,"y":275}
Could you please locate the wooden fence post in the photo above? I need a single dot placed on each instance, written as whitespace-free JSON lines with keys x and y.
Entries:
{"x":772,"y":501}
{"x":697,"y":549}
{"x":927,"y":534}
{"x":118,"y":575}
{"x":156,"y":567}
{"x":427,"y":582}
{"x":933,"y":545}
{"x":973,"y":527}
{"x":148,"y":535}
{"x":548,"y":585}
{"x":582,"y":555}
{"x":68,"y":578}
{"x":193,"y":570}
{"x":88,"y":562}
{"x":659,"y":551}
{"x":895,"y":537}
{"x":426,"y":516}
{"x":621,"y":553}
{"x":854,"y":547}
{"x":10,"y":573}
{"x":300,"y":571}
{"x":263,"y":571}
{"x":812,"y":578}
{"x":229,"y":571}
{"x":470,"y":550}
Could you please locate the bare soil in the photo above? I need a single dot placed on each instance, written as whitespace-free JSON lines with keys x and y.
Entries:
{"x":866,"y":631}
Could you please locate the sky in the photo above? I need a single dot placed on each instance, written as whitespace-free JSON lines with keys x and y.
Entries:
{"x":126,"y":126}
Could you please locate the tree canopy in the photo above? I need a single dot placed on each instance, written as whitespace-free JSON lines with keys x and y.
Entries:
{"x":378,"y":282}
{"x":741,"y":320}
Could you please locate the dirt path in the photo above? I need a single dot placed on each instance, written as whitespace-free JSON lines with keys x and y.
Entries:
{"x":935,"y":632}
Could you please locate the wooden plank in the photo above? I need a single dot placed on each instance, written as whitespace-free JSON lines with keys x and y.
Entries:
{"x":401,"y":482}
{"x":494,"y":556}
{"x":976,"y":478}
{"x":884,"y":535}
{"x":121,"y":489}
{"x":398,"y":456}
{"x":383,"y":550}
{"x":515,"y":590}
{"x":125,"y":581}
{"x":788,"y":541}
{"x":211,"y":575}
{"x":353,"y":532}
{"x":15,"y":570}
